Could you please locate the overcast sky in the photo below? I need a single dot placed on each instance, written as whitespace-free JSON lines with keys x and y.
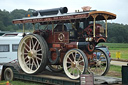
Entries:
{"x":119,"y":7}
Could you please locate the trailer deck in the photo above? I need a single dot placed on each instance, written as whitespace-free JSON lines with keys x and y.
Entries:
{"x":48,"y":77}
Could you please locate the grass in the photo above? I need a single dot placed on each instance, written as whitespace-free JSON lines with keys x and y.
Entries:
{"x":123,"y":53}
{"x":114,"y":71}
{"x":18,"y":82}
{"x":118,"y":47}
{"x":115,"y":45}
{"x":115,"y":68}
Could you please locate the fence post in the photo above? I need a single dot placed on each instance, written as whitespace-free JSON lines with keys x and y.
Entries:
{"x":118,"y":54}
{"x":7,"y":83}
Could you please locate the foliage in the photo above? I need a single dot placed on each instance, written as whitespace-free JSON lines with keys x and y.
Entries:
{"x":7,"y":17}
{"x":117,"y":33}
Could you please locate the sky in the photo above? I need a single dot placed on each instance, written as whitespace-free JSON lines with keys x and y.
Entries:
{"x":118,"y":7}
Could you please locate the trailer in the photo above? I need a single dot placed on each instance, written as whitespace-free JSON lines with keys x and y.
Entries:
{"x":12,"y":71}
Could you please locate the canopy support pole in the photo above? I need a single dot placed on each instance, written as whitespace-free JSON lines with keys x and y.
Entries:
{"x":33,"y":25}
{"x":106,"y":17}
{"x":94,"y":24}
{"x":23,"y":27}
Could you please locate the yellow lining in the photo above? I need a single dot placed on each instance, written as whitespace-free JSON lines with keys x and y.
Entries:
{"x":102,"y":12}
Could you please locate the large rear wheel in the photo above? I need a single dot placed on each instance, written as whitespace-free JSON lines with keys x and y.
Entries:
{"x":75,"y":63}
{"x":32,"y":53}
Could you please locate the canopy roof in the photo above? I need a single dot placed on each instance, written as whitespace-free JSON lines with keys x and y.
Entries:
{"x":100,"y":15}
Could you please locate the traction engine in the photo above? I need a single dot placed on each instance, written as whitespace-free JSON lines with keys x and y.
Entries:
{"x":67,"y":42}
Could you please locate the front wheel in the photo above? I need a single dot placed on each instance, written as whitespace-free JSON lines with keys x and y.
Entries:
{"x":100,"y":63}
{"x":75,"y":63}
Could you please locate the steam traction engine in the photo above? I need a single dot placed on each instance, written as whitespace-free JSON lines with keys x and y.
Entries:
{"x":65,"y":41}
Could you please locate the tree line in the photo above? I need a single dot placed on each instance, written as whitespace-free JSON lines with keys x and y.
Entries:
{"x":117,"y":33}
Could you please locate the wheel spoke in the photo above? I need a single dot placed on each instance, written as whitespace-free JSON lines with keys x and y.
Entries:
{"x":71,"y":70}
{"x":79,"y":69}
{"x":101,"y":68}
{"x":79,"y":58}
{"x":74,"y":72}
{"x":70,"y":59}
{"x":25,"y":57}
{"x":39,"y":54}
{"x":95,"y":70}
{"x":32,"y":65}
{"x":27,"y":61}
{"x":69,"y":67}
{"x":26,"y":45}
{"x":68,"y":62}
{"x":25,"y":53}
{"x":39,"y":50}
{"x":81,"y":61}
{"x":38,"y":58}
{"x":35,"y":44}
{"x":26,"y":49}
{"x":32,"y":42}
{"x":73,"y":56}
{"x":35,"y":63}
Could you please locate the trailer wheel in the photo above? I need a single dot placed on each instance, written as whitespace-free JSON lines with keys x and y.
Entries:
{"x":56,"y":68}
{"x":32,"y":54}
{"x":8,"y":74}
{"x":75,"y":63}
{"x":101,"y":63}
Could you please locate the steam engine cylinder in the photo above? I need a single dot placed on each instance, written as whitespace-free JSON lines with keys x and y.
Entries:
{"x":89,"y":47}
{"x":51,"y":11}
{"x":86,"y":45}
{"x":83,"y":45}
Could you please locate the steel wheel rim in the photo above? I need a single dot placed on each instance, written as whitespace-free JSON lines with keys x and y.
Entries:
{"x":30,"y":54}
{"x":100,"y":63}
{"x":73,"y":67}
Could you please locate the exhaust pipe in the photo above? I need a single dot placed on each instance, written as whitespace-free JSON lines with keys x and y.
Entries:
{"x":50,"y":11}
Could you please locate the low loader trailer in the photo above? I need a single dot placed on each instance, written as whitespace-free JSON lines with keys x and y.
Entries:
{"x":12,"y":71}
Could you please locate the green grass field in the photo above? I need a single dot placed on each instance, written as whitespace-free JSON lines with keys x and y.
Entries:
{"x":114,"y":71}
{"x":117,"y":47}
{"x":18,"y":82}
